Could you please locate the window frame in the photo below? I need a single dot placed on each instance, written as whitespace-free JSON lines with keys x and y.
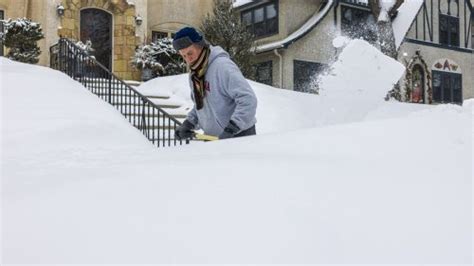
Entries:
{"x":307,"y":65}
{"x":161,"y":33}
{"x":449,"y":41}
{"x":261,"y":65}
{"x":347,"y":27}
{"x":267,"y":31}
{"x":448,"y":78}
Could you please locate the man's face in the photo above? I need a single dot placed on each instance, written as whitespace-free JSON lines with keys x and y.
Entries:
{"x":191,"y":53}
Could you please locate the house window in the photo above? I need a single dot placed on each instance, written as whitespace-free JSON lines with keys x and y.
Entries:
{"x":447,"y":87}
{"x":448,"y":30}
{"x":263,"y":73}
{"x":2,"y":14}
{"x":358,"y":23}
{"x":305,"y":75}
{"x":262,"y":21}
{"x":155,"y":35}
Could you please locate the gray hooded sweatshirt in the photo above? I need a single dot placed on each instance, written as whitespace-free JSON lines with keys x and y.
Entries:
{"x":228,"y":97}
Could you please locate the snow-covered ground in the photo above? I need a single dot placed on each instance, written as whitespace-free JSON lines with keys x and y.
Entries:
{"x":343,"y":177}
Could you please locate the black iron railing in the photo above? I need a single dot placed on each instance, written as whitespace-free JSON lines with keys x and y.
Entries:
{"x":154,"y":122}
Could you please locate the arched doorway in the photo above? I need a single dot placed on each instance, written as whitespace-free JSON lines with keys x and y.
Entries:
{"x":418,"y":84}
{"x":418,"y":81}
{"x":96,"y":26}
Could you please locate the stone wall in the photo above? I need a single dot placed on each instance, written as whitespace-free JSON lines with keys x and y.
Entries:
{"x":14,"y":8}
{"x":124,"y":27}
{"x":171,"y":15}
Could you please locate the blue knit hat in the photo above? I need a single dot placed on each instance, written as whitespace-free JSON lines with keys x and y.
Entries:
{"x":187,"y":36}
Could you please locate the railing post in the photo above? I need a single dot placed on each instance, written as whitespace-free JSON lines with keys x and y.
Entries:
{"x":144,"y":124}
{"x":110,"y":88}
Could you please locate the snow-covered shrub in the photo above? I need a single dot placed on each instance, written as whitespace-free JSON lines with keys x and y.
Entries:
{"x":160,"y":57}
{"x":169,"y":58}
{"x":21,"y":36}
{"x":86,"y":47}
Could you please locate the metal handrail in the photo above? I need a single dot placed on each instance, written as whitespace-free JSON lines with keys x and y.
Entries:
{"x":154,"y":122}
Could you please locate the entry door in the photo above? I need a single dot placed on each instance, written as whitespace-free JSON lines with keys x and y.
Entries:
{"x":96,"y":26}
{"x":447,"y":87}
{"x":418,"y":85}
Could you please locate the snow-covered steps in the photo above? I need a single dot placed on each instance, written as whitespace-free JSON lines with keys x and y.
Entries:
{"x":165,"y":97}
{"x":132,"y":102}
{"x":133,"y":83}
{"x":154,"y":115}
{"x":172,"y":107}
{"x":164,"y":105}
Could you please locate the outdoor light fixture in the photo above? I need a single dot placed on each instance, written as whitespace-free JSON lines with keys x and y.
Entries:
{"x":138,"y":20}
{"x":60,"y":10}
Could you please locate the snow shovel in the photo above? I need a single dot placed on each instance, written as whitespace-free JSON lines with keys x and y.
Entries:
{"x":204,"y":137}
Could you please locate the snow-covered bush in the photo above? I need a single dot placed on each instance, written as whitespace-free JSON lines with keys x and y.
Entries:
{"x":160,"y":57}
{"x":21,"y":36}
{"x":145,"y":57}
{"x":86,"y":47}
{"x":169,"y":58}
{"x":88,"y":50}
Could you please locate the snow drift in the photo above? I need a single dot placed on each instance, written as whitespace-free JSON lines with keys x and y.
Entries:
{"x":81,"y":186}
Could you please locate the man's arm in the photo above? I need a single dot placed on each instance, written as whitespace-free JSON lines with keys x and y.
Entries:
{"x":192,"y":117}
{"x":236,"y":86}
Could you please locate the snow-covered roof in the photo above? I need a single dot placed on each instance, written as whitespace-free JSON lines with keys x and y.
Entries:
{"x":239,"y":3}
{"x":406,"y":15}
{"x":308,"y":26}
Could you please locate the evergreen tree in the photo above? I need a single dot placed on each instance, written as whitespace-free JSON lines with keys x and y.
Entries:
{"x":21,"y":37}
{"x":223,"y":28}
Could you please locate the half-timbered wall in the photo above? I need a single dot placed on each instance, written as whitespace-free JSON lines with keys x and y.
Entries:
{"x":428,"y":25}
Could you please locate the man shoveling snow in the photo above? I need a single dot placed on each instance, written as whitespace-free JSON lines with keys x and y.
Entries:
{"x":224,"y":103}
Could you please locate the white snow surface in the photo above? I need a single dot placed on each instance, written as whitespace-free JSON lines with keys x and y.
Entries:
{"x":386,"y":4}
{"x":239,"y":3}
{"x":340,"y":41}
{"x":366,"y":181}
{"x":406,"y":15}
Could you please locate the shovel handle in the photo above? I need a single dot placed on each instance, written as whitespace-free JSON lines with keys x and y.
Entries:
{"x":204,"y":137}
